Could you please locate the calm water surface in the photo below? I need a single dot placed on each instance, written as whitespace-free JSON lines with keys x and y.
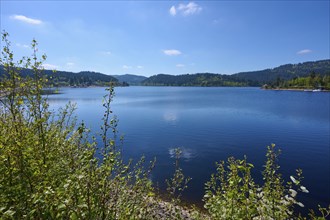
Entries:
{"x":211,"y":124}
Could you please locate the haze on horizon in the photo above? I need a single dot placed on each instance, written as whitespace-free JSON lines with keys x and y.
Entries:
{"x":171,"y":37}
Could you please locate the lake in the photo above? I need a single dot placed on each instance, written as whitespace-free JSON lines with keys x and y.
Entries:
{"x":211,"y":124}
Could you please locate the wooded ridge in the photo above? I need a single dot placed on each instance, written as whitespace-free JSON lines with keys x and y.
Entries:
{"x":252,"y":78}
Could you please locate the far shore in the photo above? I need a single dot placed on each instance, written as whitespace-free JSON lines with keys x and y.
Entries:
{"x":297,"y":89}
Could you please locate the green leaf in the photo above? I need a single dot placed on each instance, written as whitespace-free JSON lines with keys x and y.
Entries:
{"x":74,"y":216}
{"x":61,"y":206}
{"x":9,"y":213}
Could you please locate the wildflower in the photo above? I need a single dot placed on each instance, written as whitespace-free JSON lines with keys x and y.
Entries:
{"x":304,"y":189}
{"x":294,"y":180}
{"x":300,"y":204}
{"x":293,"y":192}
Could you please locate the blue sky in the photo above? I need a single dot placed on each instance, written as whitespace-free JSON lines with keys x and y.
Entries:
{"x":171,"y":37}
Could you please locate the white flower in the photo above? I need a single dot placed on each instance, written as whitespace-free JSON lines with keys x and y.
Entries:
{"x":289,"y":199}
{"x":304,"y":189}
{"x":294,"y":180}
{"x":293,"y":192}
{"x":300,"y":204}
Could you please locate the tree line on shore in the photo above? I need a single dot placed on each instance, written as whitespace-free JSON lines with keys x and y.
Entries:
{"x":285,"y":76}
{"x":312,"y":82}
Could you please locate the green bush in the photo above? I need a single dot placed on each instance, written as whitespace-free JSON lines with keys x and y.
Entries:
{"x":232,"y":193}
{"x":48,"y":167}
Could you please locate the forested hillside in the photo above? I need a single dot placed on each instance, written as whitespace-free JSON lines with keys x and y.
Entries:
{"x":63,"y":78}
{"x":130,"y":79}
{"x":253,"y":78}
{"x":199,"y":79}
{"x":311,"y":82}
{"x":286,"y":72}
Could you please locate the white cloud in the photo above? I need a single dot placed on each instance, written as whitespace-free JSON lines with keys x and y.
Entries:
{"x":185,"y":9}
{"x":70,"y":64}
{"x":173,"y":11}
{"x":26,"y":19}
{"x":49,"y":66}
{"x":180,"y":65}
{"x":22,"y":45}
{"x":106,"y":53}
{"x":305,"y":51}
{"x":126,"y":67}
{"x":189,"y":9}
{"x":172,"y":52}
{"x":139,"y":67}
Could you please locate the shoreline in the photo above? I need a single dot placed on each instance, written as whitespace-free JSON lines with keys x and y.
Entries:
{"x":296,"y":90}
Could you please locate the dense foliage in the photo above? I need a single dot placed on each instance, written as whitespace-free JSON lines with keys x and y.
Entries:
{"x":51,"y":168}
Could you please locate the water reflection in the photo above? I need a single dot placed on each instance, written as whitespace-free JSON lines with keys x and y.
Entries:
{"x":170,"y":116}
{"x":186,"y":153}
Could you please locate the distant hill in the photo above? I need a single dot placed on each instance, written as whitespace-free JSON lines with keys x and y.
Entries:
{"x":252,"y":78}
{"x":63,"y":78}
{"x":285,"y":72}
{"x":84,"y":78}
{"x":198,"y":79}
{"x":130,"y":79}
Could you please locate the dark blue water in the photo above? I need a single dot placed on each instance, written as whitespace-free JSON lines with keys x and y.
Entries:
{"x":211,"y":124}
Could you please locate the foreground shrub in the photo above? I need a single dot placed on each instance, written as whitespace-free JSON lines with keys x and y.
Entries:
{"x":232,"y":193}
{"x":48,"y":166}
